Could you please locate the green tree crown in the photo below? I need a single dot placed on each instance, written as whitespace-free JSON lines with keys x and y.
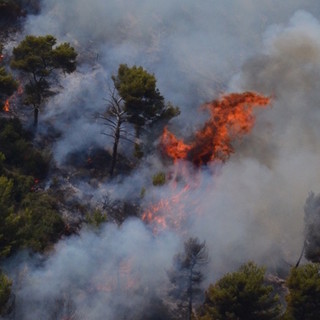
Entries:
{"x":39,"y":58}
{"x":241,"y":295}
{"x":303,"y":300}
{"x":5,"y":291}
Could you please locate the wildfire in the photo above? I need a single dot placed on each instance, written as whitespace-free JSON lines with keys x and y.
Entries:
{"x":6,"y":106}
{"x":231,"y":117}
{"x":122,"y":279}
{"x":179,"y":202}
{"x":168,"y":212}
{"x":12,"y":100}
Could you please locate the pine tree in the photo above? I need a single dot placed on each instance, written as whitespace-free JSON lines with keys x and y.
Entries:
{"x":39,"y":58}
{"x":303,"y":300}
{"x":241,"y":295}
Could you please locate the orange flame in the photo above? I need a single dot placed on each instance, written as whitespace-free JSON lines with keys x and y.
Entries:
{"x":6,"y":106}
{"x":167,"y":212}
{"x":230,"y":117}
{"x":13,"y":99}
{"x":170,"y":211}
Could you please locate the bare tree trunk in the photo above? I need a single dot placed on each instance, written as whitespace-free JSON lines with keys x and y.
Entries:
{"x":115,"y":147}
{"x":35,"y":116}
{"x":190,"y":296}
{"x":301,"y":254}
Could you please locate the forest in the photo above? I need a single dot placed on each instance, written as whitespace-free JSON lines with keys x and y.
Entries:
{"x":159,"y":161}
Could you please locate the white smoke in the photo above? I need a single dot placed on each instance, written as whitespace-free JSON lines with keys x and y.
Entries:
{"x":193,"y":48}
{"x":96,"y":275}
{"x":251,"y":207}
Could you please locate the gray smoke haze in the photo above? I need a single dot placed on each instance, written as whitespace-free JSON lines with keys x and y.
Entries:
{"x":193,"y":49}
{"x":96,"y":275}
{"x":249,"y":208}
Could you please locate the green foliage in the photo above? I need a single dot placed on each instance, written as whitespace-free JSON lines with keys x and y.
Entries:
{"x":8,"y":223}
{"x":159,"y":179}
{"x":27,"y":218}
{"x":170,"y":111}
{"x":39,"y":57}
{"x":18,"y":150}
{"x":143,"y":101}
{"x":6,"y":191}
{"x":138,"y":153}
{"x":241,"y":295}
{"x":5,"y":291}
{"x":7,"y":85}
{"x":134,"y":85}
{"x":96,"y":218}
{"x":64,"y":57}
{"x":41,"y":222}
{"x":36,"y":225}
{"x":303,"y":300}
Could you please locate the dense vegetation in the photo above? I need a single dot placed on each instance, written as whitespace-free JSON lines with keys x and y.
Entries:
{"x":242,"y":295}
{"x":31,"y":217}
{"x":12,"y":10}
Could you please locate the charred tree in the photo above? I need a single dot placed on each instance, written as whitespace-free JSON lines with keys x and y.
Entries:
{"x":186,"y":276}
{"x":115,"y":118}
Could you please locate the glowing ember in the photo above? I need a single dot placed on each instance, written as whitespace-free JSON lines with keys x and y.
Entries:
{"x":122,"y":279}
{"x":167,"y":212}
{"x":230,"y":117}
{"x":6,"y":106}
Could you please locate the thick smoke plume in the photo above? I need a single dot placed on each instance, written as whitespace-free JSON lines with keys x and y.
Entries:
{"x":106,"y":274}
{"x":249,"y":208}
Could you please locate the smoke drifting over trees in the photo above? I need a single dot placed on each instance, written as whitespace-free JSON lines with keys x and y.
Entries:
{"x":251,"y":207}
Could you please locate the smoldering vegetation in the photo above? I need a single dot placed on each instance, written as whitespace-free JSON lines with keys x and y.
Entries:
{"x":250,"y":207}
{"x":96,"y":275}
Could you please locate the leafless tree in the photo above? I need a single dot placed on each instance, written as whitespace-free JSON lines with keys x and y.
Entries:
{"x":115,"y":118}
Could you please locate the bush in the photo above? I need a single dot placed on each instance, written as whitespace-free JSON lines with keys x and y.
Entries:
{"x":41,"y":223}
{"x":159,"y":179}
{"x":303,"y":300}
{"x":96,"y":218}
{"x":241,"y":295}
{"x":19,"y":153}
{"x":5,"y":291}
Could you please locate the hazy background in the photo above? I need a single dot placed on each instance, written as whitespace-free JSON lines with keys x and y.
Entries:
{"x":249,"y":208}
